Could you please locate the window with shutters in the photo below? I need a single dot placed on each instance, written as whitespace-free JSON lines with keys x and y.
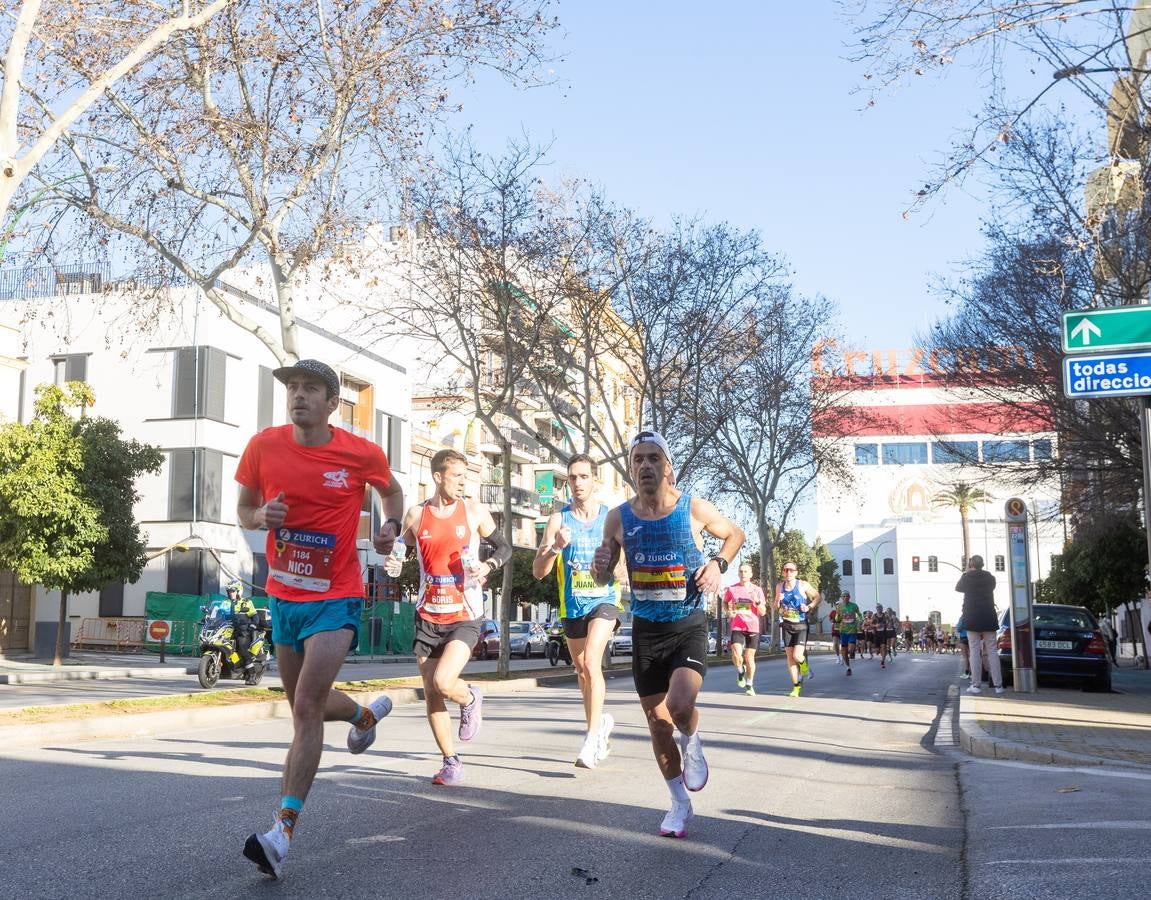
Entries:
{"x":193,"y":572}
{"x":865,"y":566}
{"x":195,"y":485}
{"x":111,"y":600}
{"x":259,"y":574}
{"x":70,"y":367}
{"x":395,"y":442}
{"x":265,"y":397}
{"x":848,"y":568}
{"x":198,"y":383}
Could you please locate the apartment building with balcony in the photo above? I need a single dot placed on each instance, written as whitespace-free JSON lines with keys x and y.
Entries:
{"x":181,"y":376}
{"x":440,"y":420}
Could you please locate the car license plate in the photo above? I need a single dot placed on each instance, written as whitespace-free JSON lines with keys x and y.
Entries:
{"x":1053,"y":645}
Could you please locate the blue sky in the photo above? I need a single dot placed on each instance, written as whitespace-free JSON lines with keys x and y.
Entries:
{"x":745,"y":112}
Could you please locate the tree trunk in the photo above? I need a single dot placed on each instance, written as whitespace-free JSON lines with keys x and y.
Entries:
{"x":505,"y":599}
{"x":966,"y":539}
{"x":59,"y":660}
{"x":767,"y":580}
{"x":1143,"y":636}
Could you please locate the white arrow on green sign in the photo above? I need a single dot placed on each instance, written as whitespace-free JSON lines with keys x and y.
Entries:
{"x":1114,"y":328}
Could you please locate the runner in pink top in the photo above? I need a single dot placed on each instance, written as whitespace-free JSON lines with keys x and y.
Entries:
{"x":745,"y":603}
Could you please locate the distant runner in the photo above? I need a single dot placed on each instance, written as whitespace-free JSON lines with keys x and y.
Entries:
{"x":848,"y":628}
{"x":746,"y":605}
{"x":794,"y":600}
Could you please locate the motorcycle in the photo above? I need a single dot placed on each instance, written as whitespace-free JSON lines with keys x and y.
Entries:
{"x":219,"y":657}
{"x":557,"y":646}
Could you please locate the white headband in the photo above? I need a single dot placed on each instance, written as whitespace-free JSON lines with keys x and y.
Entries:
{"x":651,"y":437}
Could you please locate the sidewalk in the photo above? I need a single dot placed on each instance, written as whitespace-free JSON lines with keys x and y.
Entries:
{"x":1064,"y":726}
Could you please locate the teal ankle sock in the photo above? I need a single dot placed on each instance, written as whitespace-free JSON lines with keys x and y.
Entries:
{"x":293,"y":803}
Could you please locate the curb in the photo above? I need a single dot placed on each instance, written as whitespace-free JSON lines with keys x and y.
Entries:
{"x":93,"y":675}
{"x":149,"y":724}
{"x":975,"y":741}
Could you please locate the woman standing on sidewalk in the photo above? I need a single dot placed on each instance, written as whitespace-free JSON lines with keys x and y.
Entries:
{"x":978,"y":587}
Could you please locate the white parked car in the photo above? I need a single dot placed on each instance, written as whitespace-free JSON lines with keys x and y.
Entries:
{"x":526,"y":639}
{"x":621,"y":642}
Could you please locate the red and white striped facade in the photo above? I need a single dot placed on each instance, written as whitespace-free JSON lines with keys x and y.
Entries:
{"x":907,"y":426}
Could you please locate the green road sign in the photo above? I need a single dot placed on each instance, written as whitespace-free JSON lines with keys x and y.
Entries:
{"x":1114,"y":328}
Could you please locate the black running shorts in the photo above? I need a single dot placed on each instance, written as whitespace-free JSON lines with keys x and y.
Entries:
{"x":749,"y":639}
{"x":577,"y":628}
{"x":659,"y":648}
{"x":794,"y":634}
{"x":431,"y":638}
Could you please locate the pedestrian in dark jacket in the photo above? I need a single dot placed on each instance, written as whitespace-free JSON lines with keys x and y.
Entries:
{"x":978,"y":589}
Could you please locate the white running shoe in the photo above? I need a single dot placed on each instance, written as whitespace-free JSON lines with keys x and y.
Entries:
{"x":975,"y":689}
{"x":268,"y":850}
{"x":999,"y":690}
{"x":360,"y":739}
{"x":589,"y":753}
{"x":694,"y":765}
{"x":606,"y":724}
{"x":677,"y":819}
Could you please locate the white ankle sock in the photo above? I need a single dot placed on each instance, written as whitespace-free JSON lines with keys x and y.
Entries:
{"x":676,"y":788}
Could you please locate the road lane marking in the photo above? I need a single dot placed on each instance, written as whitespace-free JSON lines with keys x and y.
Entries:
{"x":1055,"y":825}
{"x":377,"y":839}
{"x":1074,"y":861}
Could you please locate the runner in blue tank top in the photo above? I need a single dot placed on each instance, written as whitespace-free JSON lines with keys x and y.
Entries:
{"x":590,"y":611}
{"x":659,"y":532}
{"x":794,"y":599}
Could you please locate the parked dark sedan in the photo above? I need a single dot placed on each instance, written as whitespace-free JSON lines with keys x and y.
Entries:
{"x":488,"y":646}
{"x":1068,"y":644}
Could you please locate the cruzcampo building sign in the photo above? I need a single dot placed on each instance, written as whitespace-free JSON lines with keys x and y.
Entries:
{"x":1114,"y":328}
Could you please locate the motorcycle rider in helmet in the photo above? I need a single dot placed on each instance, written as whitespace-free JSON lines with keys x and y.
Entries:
{"x":243,"y":621}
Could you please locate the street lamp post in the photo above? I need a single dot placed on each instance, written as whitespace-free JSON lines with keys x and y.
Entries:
{"x":875,"y":565}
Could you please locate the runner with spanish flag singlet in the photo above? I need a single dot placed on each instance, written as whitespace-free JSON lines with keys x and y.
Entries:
{"x":305,"y":484}
{"x":794,"y":599}
{"x":849,"y":618}
{"x":589,"y":610}
{"x":745,"y":604}
{"x":446,"y":532}
{"x":659,"y":532}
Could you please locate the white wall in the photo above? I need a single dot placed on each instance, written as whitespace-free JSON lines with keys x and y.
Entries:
{"x":130,"y":368}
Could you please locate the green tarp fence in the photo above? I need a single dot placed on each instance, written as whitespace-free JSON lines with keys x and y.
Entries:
{"x":184,"y":611}
{"x":385,"y":627}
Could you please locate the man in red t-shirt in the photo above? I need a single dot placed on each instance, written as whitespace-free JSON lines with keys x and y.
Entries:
{"x":305,"y":483}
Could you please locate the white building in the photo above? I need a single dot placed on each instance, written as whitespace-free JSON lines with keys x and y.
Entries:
{"x":175,"y":373}
{"x":908,"y":436}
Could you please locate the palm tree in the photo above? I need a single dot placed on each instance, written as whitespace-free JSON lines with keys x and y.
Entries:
{"x":962,"y":496}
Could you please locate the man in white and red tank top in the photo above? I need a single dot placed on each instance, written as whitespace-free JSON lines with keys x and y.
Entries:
{"x":446,"y":532}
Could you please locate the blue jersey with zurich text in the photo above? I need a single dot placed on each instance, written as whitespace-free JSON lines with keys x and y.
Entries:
{"x":661,"y":557}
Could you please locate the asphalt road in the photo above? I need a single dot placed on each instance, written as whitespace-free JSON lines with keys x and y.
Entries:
{"x":847,"y":791}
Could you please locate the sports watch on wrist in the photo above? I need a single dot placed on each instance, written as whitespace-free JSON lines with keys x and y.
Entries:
{"x":721,"y":562}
